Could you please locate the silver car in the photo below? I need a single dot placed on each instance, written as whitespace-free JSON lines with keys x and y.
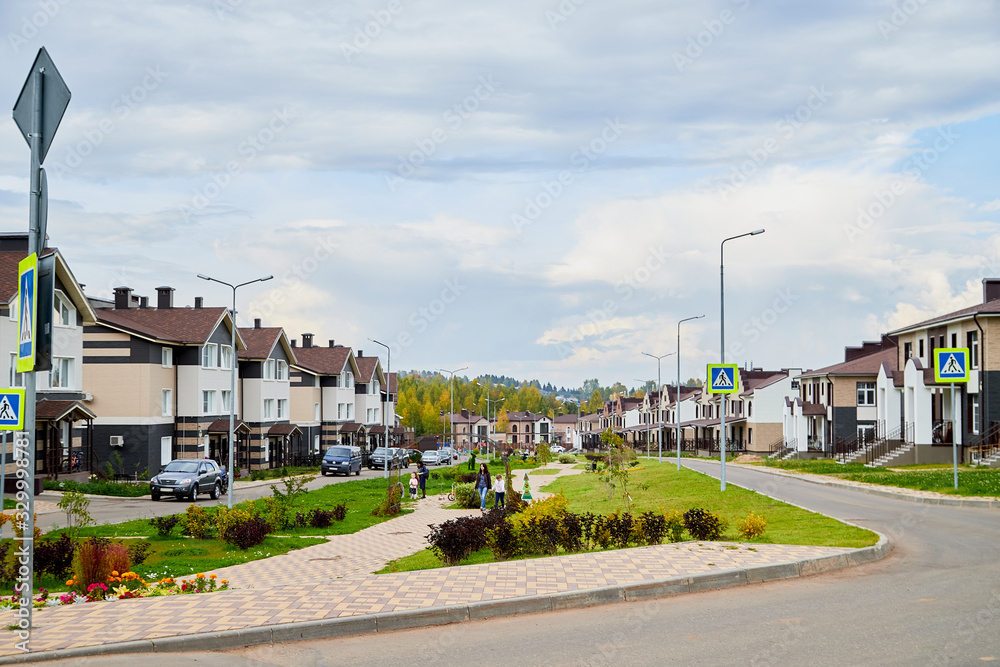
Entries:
{"x":186,"y":478}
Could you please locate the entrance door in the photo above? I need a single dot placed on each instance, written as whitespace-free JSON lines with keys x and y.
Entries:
{"x":166,"y":450}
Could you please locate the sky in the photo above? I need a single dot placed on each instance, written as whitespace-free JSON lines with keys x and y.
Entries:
{"x":531,"y":188}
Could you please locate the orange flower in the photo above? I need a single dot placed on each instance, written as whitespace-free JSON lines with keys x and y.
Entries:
{"x":212,"y":576}
{"x":69,"y":583}
{"x":225,"y":581}
{"x":200,"y":575}
{"x":114,"y":573}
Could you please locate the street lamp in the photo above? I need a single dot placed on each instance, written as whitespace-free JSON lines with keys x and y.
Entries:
{"x":722,"y":337}
{"x":659,"y":384}
{"x":385,"y":410}
{"x":232,"y":379}
{"x":451,"y":397}
{"x":677,"y":416}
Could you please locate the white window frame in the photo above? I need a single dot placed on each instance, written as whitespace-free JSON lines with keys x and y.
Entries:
{"x":209,"y":355}
{"x":62,"y":370}
{"x":869,"y":394}
{"x":350,"y":410}
{"x":377,"y":419}
{"x":348,"y":380}
{"x":268,"y":408}
{"x":60,"y":303}
{"x":316,"y":414}
{"x":269,"y":369}
{"x":282,"y":408}
{"x":167,"y":357}
{"x":341,"y":410}
{"x":167,"y":402}
{"x":226,"y":357}
{"x":281,"y":371}
{"x":227,"y":400}
{"x":975,"y":414}
{"x":208,"y":402}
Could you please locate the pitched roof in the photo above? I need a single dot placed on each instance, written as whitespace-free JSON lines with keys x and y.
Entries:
{"x":9,"y":259}
{"x":566,"y":419}
{"x":259,"y":341}
{"x":189,"y":326}
{"x":391,"y":382}
{"x":326,"y":360}
{"x":57,"y":410}
{"x":366,"y":368}
{"x":866,"y":365}
{"x":988,"y":308}
{"x":525,"y":416}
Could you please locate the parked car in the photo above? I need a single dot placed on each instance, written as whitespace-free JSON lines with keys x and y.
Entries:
{"x":404,"y":456}
{"x":557,"y":449}
{"x":446,"y":455}
{"x":430,"y":457}
{"x":341,"y":459}
{"x":186,"y":478}
{"x":377,"y":461}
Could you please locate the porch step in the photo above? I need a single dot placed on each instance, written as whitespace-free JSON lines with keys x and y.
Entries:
{"x":884,"y":460}
{"x":992,"y":461}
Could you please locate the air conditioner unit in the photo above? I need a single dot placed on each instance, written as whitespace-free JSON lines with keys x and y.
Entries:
{"x":118,"y":441}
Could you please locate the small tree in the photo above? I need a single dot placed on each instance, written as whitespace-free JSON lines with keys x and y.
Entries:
{"x":75,"y":504}
{"x":618,"y":459}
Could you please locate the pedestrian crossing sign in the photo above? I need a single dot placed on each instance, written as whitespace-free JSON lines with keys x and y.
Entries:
{"x":723,"y":379}
{"x":11,"y":409}
{"x":951,"y":364}
{"x":27,"y":289}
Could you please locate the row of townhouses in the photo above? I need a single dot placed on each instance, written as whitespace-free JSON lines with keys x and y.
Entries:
{"x":145,"y":383}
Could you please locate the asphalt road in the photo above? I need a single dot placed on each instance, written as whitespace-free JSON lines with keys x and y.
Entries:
{"x":934,"y":600}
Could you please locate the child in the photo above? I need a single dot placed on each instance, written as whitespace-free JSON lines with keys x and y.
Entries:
{"x":499,"y":489}
{"x":414,"y":482}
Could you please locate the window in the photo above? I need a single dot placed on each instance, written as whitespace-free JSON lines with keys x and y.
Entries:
{"x":268,"y":408}
{"x":750,"y":409}
{"x":227,"y":357}
{"x":370,"y":416}
{"x":373,"y":387}
{"x":348,"y":378}
{"x":316,"y":412}
{"x":208,"y":356}
{"x":907,"y":351}
{"x":65,"y":313}
{"x":341,"y":410}
{"x":16,"y":379}
{"x":377,"y":419}
{"x":282,"y":408}
{"x":61,"y":375}
{"x":866,"y":393}
{"x":972,"y":342}
{"x":920,"y":347}
{"x":975,"y":414}
{"x":954,"y":340}
{"x":207,"y":402}
{"x":350,"y":410}
{"x":166,"y":357}
{"x":166,"y":402}
{"x":513,"y":429}
{"x":269,"y":369}
{"x":227,"y":400}
{"x":282,"y":370}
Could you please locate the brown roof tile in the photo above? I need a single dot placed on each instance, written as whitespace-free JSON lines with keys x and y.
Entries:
{"x":259,"y":342}
{"x":179,"y":325}
{"x":366,"y":368}
{"x":327,"y":360}
{"x":988,"y":308}
{"x":866,"y":365}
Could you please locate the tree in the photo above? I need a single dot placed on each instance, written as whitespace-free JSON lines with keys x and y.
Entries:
{"x":595,"y":403}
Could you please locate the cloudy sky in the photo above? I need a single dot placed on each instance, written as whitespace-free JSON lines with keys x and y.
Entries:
{"x":530,"y":188}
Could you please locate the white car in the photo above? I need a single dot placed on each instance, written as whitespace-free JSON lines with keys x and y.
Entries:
{"x":557,"y":449}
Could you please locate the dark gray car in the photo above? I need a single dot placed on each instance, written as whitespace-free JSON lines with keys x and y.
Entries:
{"x":186,"y":478}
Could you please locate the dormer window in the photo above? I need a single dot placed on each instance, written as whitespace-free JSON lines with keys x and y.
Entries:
{"x":347,"y":379}
{"x":65,"y":313}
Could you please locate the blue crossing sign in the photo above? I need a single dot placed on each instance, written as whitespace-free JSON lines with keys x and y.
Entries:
{"x":27,"y":281}
{"x":723,"y":378}
{"x":951,"y":364}
{"x":11,"y":409}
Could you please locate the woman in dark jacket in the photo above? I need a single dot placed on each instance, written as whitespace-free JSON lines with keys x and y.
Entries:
{"x":483,"y":484}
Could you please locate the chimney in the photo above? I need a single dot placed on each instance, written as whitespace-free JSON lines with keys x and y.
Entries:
{"x":123,"y":295}
{"x":256,"y":323}
{"x":991,"y":289}
{"x":144,"y":302}
{"x":361,"y":354}
{"x":332,"y":344}
{"x":164,"y":298}
{"x":198,"y":302}
{"x":307,"y":340}
{"x":292,"y":342}
{"x":465,"y":413}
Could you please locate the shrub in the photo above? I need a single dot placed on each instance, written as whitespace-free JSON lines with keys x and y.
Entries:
{"x":416,"y":456}
{"x":504,"y":540}
{"x":96,"y":558}
{"x":567,"y":458}
{"x":571,"y":532}
{"x":751,"y":527}
{"x":466,"y":495}
{"x":55,"y":557}
{"x":393,"y":503}
{"x":466,"y":478}
{"x":650,"y":528}
{"x":226,"y":520}
{"x":197,"y":523}
{"x":256,"y":475}
{"x":275,"y":512}
{"x":164,"y":524}
{"x":513,"y":502}
{"x":340,"y":512}
{"x":620,"y":526}
{"x":703,"y":525}
{"x":321,"y":518}
{"x":453,"y":540}
{"x":249,"y":533}
{"x":675,"y":525}
{"x":554,"y":506}
{"x":138,"y":552}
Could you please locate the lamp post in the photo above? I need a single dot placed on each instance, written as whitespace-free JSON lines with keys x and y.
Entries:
{"x":232,"y":379}
{"x":659,"y":384}
{"x":385,"y":410}
{"x":722,"y":339}
{"x":451,"y":398}
{"x":677,"y":416}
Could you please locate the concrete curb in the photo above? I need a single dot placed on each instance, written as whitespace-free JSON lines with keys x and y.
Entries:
{"x":431,"y":616}
{"x":947,"y":501}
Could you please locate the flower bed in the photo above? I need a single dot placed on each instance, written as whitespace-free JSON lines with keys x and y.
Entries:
{"x":124,"y":586}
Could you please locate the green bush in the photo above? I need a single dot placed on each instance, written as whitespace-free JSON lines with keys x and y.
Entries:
{"x":164,"y":524}
{"x":567,"y":458}
{"x":197,"y":523}
{"x":675,"y":525}
{"x":100,"y":488}
{"x":703,"y":525}
{"x":467,"y":496}
{"x":751,"y":527}
{"x":543,"y":453}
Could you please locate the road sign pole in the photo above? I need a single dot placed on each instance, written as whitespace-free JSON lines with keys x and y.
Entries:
{"x":954,"y":431}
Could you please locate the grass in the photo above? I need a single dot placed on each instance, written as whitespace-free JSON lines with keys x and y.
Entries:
{"x":544,"y":472}
{"x":925,"y":477}
{"x":661,"y":487}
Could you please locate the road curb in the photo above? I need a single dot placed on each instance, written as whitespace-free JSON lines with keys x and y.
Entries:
{"x":431,"y":616}
{"x":945,"y":501}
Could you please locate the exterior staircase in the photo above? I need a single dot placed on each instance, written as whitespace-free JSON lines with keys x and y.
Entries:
{"x":783,"y":449}
{"x":885,"y":460}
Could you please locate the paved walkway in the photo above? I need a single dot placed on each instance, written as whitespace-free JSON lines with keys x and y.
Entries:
{"x":333,"y":580}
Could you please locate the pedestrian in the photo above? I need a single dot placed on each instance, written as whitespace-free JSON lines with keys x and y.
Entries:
{"x":483,"y":483}
{"x":413,"y":486}
{"x":499,"y":489}
{"x":423,"y":473}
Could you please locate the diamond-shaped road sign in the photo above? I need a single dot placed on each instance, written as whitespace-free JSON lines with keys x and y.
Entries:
{"x":55,"y":99}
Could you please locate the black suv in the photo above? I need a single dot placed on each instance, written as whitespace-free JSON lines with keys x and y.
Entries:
{"x":377,"y":460}
{"x":186,"y":478}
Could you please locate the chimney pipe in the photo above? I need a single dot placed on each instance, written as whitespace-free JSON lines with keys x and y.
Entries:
{"x":332,"y":344}
{"x":256,"y":323}
{"x":123,"y":296}
{"x":164,"y":298}
{"x":307,"y":340}
{"x":144,"y":302}
{"x":361,"y":354}
{"x":292,"y":342}
{"x":198,"y":302}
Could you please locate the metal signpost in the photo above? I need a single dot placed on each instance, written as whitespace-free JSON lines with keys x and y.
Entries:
{"x":37,"y":112}
{"x":951,"y":364}
{"x":723,"y":379}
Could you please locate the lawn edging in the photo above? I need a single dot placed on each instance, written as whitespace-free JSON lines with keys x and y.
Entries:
{"x":366,"y":624}
{"x":886,"y":492}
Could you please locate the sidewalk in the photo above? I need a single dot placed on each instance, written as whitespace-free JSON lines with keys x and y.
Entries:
{"x":327,"y":590}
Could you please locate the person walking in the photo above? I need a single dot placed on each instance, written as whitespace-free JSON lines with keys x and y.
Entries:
{"x":483,"y":484}
{"x":499,"y":489}
{"x":423,"y":473}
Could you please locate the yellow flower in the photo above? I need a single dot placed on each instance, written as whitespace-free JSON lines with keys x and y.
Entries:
{"x":121,"y":590}
{"x":212,"y":576}
{"x":200,"y":575}
{"x":114,"y":573}
{"x":225,"y":581}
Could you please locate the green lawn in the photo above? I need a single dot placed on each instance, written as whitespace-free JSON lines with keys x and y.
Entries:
{"x":972,"y":481}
